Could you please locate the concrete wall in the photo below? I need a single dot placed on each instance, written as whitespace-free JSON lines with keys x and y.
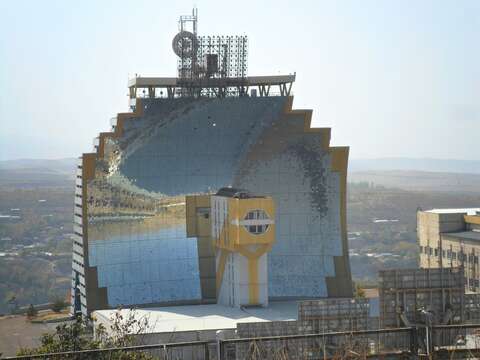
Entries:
{"x":461,"y":252}
{"x":235,"y":287}
{"x":439,"y":249}
{"x":428,"y":233}
{"x":429,"y":227}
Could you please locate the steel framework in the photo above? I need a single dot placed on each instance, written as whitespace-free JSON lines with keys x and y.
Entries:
{"x":209,"y":57}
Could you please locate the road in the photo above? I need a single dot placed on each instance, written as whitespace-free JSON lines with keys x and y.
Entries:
{"x":16,"y":332}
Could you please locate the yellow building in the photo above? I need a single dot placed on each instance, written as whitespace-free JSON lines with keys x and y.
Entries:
{"x":242,"y":233}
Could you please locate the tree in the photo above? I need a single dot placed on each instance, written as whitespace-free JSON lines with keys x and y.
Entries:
{"x":58,"y":305}
{"x":359,"y":292}
{"x":12,"y":304}
{"x":67,"y":337}
{"x":31,"y":312}
{"x":78,"y":335}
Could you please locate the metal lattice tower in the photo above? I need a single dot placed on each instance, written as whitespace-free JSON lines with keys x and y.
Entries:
{"x":203,"y":58}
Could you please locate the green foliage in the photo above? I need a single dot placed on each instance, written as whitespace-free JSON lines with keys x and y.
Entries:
{"x":67,"y":337}
{"x":32,"y":312}
{"x":359,"y":292}
{"x":31,"y":275}
{"x":29,"y":286}
{"x":58,"y":305}
{"x":78,"y":335}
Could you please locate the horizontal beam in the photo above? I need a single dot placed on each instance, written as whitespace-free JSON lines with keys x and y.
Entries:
{"x":163,"y":82}
{"x":97,"y":352}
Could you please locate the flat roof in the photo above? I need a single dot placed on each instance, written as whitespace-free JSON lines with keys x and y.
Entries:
{"x":143,"y":82}
{"x":468,"y":211}
{"x":464,"y":235}
{"x":204,"y":317}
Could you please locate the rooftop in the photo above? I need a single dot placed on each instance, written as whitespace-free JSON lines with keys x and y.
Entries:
{"x":468,"y":211}
{"x":175,"y":87}
{"x":464,"y":235}
{"x":161,"y":82}
{"x":236,"y":193}
{"x":204,"y":317}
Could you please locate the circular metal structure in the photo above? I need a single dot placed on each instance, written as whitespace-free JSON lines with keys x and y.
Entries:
{"x":184,"y":44}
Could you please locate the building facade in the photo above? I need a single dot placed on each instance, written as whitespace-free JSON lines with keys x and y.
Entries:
{"x":451,"y":238}
{"x":209,"y":128}
{"x":243,"y":231}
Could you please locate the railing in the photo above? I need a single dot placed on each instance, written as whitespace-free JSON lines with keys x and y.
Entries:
{"x":458,"y":341}
{"x":164,"y":95}
{"x":194,"y":350}
{"x":339,"y":345}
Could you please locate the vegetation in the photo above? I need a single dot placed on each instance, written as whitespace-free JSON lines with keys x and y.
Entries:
{"x":78,"y":335}
{"x":37,"y":246}
{"x":20,"y":281}
{"x":359,"y":292}
{"x":58,"y":305}
{"x":67,"y":337}
{"x":31,"y":312}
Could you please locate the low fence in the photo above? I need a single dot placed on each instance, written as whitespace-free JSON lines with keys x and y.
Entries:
{"x":192,"y":350}
{"x":395,"y":343}
{"x":315,"y":316}
{"x":337,"y":345}
{"x":405,"y":291}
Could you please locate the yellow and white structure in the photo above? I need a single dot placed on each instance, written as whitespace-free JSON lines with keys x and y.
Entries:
{"x":243,"y":231}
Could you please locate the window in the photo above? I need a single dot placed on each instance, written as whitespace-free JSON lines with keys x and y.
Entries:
{"x":454,"y":255}
{"x":255,"y":225}
{"x":436,"y":252}
{"x":256,"y":229}
{"x":472,"y":284}
{"x":203,"y":212}
{"x":256,"y":215}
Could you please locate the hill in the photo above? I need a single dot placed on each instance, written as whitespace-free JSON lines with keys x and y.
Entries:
{"x":427,"y":165}
{"x":419,"y":180}
{"x":57,"y":165}
{"x":34,"y":173}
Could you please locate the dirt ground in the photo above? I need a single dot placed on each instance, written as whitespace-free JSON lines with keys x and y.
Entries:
{"x":16,"y":332}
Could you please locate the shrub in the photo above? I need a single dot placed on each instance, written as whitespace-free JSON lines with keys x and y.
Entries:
{"x":31,"y":311}
{"x":58,"y":305}
{"x":78,"y":335}
{"x":359,"y":292}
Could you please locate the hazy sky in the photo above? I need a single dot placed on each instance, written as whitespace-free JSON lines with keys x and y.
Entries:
{"x":392,"y":78}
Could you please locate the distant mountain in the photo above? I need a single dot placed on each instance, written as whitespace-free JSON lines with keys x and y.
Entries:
{"x":419,"y":180}
{"x":427,"y":165}
{"x":31,"y":173}
{"x":66,"y":165}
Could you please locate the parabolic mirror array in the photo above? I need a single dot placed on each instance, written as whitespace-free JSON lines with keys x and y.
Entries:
{"x":131,"y":245}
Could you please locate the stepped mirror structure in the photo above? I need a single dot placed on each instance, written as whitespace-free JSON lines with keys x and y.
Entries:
{"x":210,"y":127}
